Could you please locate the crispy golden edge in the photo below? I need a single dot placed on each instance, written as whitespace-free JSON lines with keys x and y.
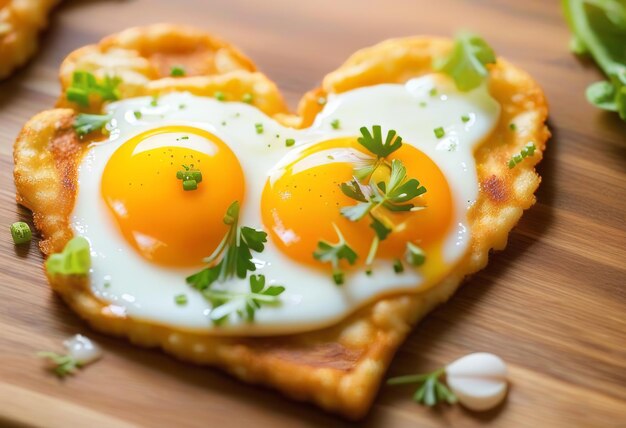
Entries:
{"x":20,"y":24}
{"x":338,"y":368}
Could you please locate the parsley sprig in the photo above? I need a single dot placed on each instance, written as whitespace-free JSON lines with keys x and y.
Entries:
{"x":334,"y":253}
{"x":84,"y":84}
{"x":431,"y":390}
{"x":244,"y":304}
{"x":374,"y":143}
{"x":63,"y":364}
{"x":86,"y":123}
{"x":233,"y":256}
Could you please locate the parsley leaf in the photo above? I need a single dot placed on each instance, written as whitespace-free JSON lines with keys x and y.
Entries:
{"x":244,"y":305}
{"x":63,"y":365}
{"x":431,"y":390}
{"x":333,"y":253}
{"x":85,"y":123}
{"x":232,"y":257}
{"x":466,"y":63}
{"x":599,"y":29}
{"x":84,"y":84}
{"x":374,"y":141}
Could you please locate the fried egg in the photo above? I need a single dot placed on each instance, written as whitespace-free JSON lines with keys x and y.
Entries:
{"x":147,"y":234}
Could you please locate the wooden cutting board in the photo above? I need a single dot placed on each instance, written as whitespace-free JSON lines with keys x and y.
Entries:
{"x":553,"y":304}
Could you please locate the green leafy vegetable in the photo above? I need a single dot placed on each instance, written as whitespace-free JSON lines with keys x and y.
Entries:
{"x":245,"y":305}
{"x":85,"y":123}
{"x":467,"y":61}
{"x":63,"y":365}
{"x":84,"y":84}
{"x":333,"y":253}
{"x":599,"y":28}
{"x":431,"y":390}
{"x":233,"y":256}
{"x":75,"y":259}
{"x":375,"y":144}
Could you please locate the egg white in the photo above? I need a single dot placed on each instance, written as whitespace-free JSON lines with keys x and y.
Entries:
{"x":143,"y":290}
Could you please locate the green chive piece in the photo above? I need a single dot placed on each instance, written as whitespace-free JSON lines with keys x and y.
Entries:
{"x":512,"y":164}
{"x":338,"y":278}
{"x":247,"y":98}
{"x":368,"y":272}
{"x":181,"y":299}
{"x":465,"y":118}
{"x":21,"y":232}
{"x":335,"y":124}
{"x":177,"y":71}
{"x":137,"y":114}
{"x":397,"y":266}
{"x":423,"y":104}
{"x":439,"y":132}
{"x":182,"y":106}
{"x":155,"y":101}
{"x":259,"y":128}
{"x":512,"y":126}
{"x":321,"y":101}
{"x":414,"y":255}
{"x":290,"y":142}
{"x":190,"y":185}
{"x":219,"y":95}
{"x":432,"y":92}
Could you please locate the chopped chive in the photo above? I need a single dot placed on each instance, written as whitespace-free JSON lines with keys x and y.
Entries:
{"x":439,"y":132}
{"x":414,"y":255}
{"x":465,"y":118}
{"x":423,"y":104}
{"x":432,"y":92}
{"x":190,"y":185}
{"x":321,"y":101}
{"x":247,"y":98}
{"x":155,"y":101}
{"x":137,"y":114}
{"x":397,"y":266}
{"x":528,"y":150}
{"x":177,"y":71}
{"x":180,"y":299}
{"x":21,"y":233}
{"x":219,"y":95}
{"x":223,"y":123}
{"x":368,"y":271}
{"x":290,"y":142}
{"x":182,"y":106}
{"x":259,"y":128}
{"x":512,"y":126}
{"x":335,"y":124}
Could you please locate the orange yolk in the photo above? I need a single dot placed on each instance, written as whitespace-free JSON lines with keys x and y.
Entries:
{"x":163,"y":222}
{"x":299,"y":208}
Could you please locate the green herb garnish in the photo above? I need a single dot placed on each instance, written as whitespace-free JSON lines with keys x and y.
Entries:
{"x":465,"y":118}
{"x":180,"y":299}
{"x":177,"y":71}
{"x":85,"y":123}
{"x":439,"y":132}
{"x":467,"y":61}
{"x":232,"y":257}
{"x":137,"y":114}
{"x":414,"y":255}
{"x":512,"y":126}
{"x":335,"y":124}
{"x":21,"y":232}
{"x":84,"y":84}
{"x":63,"y":364}
{"x":190,"y":177}
{"x":247,"y":98}
{"x":225,"y":303}
{"x":431,"y":390}
{"x":599,"y":28}
{"x":259,"y":128}
{"x":290,"y":142}
{"x":219,"y":95}
{"x":75,"y":259}
{"x":528,"y":150}
{"x":334,"y":253}
{"x":154,"y":101}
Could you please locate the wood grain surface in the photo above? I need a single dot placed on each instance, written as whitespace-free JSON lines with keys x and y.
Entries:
{"x":553,"y":304}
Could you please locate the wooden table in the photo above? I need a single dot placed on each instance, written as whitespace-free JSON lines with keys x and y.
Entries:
{"x":553,"y":305}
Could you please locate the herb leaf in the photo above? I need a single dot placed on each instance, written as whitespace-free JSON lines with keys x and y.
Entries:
{"x":467,"y":60}
{"x":333,"y":253}
{"x":84,"y":84}
{"x":245,"y":305}
{"x":233,"y":253}
{"x":63,"y":365}
{"x":85,"y":123}
{"x":431,"y":390}
{"x":75,"y":259}
{"x":374,"y":141}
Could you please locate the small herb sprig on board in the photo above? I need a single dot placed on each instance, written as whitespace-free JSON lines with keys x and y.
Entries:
{"x":86,"y":123}
{"x":431,"y":390}
{"x":244,"y":304}
{"x":63,"y":364}
{"x":232,"y":257}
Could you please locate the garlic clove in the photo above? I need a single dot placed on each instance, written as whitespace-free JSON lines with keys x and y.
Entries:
{"x":82,"y":349}
{"x":478,"y":380}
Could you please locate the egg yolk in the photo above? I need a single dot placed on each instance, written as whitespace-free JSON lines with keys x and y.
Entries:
{"x":300,"y":207}
{"x":165,"y":223}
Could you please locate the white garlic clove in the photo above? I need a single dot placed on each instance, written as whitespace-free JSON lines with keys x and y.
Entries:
{"x":478,"y":380}
{"x":82,"y":349}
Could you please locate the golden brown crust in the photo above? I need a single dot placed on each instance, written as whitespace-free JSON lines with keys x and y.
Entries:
{"x":340,"y":367}
{"x":20,"y":24}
